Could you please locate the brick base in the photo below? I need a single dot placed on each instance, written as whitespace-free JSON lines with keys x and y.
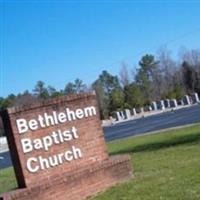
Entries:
{"x":78,"y":185}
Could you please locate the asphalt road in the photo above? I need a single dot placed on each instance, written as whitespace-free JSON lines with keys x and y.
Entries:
{"x":165,"y":120}
{"x":5,"y":160}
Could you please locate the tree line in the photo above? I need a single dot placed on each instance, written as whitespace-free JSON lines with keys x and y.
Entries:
{"x":155,"y":77}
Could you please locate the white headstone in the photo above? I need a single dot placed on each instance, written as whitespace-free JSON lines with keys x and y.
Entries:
{"x":195,"y":98}
{"x":154,"y":105}
{"x":134,"y":112}
{"x":162,"y":105}
{"x":173,"y":103}
{"x":119,"y":117}
{"x":186,"y":100}
{"x":181,"y":102}
{"x":127,"y":113}
{"x":167,"y":103}
{"x":122,"y":115}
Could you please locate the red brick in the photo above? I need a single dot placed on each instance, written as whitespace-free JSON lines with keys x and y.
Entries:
{"x":70,"y":181}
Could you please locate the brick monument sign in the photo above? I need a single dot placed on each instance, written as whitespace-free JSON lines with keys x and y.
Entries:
{"x":58,"y":150}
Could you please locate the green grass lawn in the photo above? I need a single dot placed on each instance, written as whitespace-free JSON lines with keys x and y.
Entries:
{"x":7,"y":180}
{"x":166,"y":167}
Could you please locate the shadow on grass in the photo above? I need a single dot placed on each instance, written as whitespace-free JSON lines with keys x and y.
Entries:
{"x":153,"y":146}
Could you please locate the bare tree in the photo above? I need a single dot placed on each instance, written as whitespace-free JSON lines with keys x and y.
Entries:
{"x":191,"y":69}
{"x":124,"y":75}
{"x":25,"y":99}
{"x":191,"y":56}
{"x":167,"y":67}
